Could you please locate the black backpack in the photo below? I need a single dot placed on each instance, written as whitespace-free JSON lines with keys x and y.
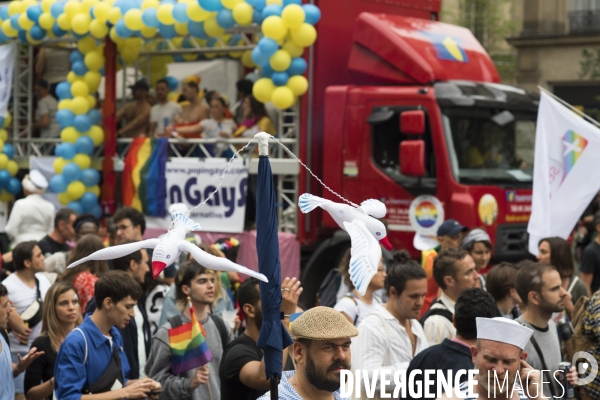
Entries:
{"x":329,"y":288}
{"x":444,"y":312}
{"x":176,"y":321}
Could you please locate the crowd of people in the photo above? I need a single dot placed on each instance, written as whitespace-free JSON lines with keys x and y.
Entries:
{"x":102,"y":329}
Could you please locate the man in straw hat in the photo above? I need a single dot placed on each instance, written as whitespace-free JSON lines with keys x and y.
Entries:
{"x":499,"y":352}
{"x":321,"y":349}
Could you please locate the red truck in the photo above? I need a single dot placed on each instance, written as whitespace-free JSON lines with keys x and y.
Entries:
{"x":409,"y":110}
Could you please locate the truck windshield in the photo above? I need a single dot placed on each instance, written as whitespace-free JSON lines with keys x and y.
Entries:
{"x":490,"y":145}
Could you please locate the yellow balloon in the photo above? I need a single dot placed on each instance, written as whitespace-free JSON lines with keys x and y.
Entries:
{"x":293,"y":49}
{"x":63,"y":198}
{"x":181,"y":28}
{"x":69,"y":135}
{"x":114,"y":15}
{"x":96,"y":134}
{"x":283,"y":97}
{"x":1,"y":145}
{"x":242,"y":14}
{"x":88,"y":4}
{"x":93,"y":189}
{"x":79,"y":88}
{"x":8,"y":30}
{"x":81,"y":24}
{"x":72,"y":77}
{"x":197,"y":13}
{"x":98,"y":29}
{"x":7,"y":119}
{"x":73,"y":8}
{"x":293,"y":16}
{"x":230,"y":4}
{"x":3,"y":136}
{"x":83,"y":160}
{"x":63,"y":22}
{"x":278,"y":2}
{"x":273,"y":27}
{"x":101,"y":11}
{"x":3,"y":161}
{"x":305,"y":35}
{"x":263,"y":89}
{"x":133,"y":19}
{"x":5,"y":196}
{"x":150,"y":4}
{"x":92,"y":79}
{"x":15,"y":7}
{"x":46,"y":4}
{"x":86,"y":45}
{"x":75,"y":190}
{"x":24,"y":22}
{"x":91,"y":100}
{"x":46,"y":21}
{"x":212,"y":28}
{"x":80,"y":105}
{"x":298,"y":85}
{"x":94,"y":60}
{"x":12,"y":167}
{"x":280,"y":61}
{"x":64,"y":104}
{"x":164,"y":13}
{"x":148,"y":32}
{"x":247,"y":59}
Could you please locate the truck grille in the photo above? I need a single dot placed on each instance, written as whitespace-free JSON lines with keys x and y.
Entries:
{"x":511,"y":243}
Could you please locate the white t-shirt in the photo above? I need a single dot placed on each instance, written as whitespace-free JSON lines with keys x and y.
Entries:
{"x":161,"y":113}
{"x":22,"y":296}
{"x":139,"y":321}
{"x":358,"y":310}
{"x":154,"y":306}
{"x":48,"y":105}
{"x":213,"y":128}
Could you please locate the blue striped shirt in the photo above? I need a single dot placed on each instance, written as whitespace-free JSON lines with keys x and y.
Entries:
{"x":287,"y":391}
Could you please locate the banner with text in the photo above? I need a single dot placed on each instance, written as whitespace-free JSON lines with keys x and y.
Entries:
{"x":8,"y":56}
{"x":192,"y":181}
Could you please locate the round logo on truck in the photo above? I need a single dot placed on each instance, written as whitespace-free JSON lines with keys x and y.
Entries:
{"x":426,"y":214}
{"x":488,"y":209}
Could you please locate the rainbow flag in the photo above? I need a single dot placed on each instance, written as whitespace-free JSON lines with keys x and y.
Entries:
{"x":144,"y":185}
{"x":189,"y":349}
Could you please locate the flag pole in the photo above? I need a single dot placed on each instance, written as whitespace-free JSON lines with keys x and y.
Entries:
{"x":572,"y":108}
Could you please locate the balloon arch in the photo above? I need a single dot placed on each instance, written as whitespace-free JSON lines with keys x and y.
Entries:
{"x":269,"y":35}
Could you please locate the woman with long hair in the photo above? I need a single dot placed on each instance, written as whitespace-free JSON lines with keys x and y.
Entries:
{"x":61,"y":314}
{"x":255,"y":119}
{"x":85,"y":276}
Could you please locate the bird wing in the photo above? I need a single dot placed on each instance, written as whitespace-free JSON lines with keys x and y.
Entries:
{"x":110,"y":253}
{"x":374,"y":208}
{"x":307,"y":202}
{"x":365,"y":255}
{"x":217,"y":263}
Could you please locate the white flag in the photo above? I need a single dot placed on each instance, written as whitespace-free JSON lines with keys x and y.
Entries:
{"x":8,"y":56}
{"x":566,"y":172}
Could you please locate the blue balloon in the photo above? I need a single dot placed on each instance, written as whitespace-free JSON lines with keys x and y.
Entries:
{"x":167,"y":31}
{"x":288,"y":2}
{"x":180,"y":13}
{"x":37,"y":33}
{"x":312,"y":12}
{"x":149,"y":18}
{"x":1,"y":121}
{"x":266,"y":71}
{"x":57,"y":31}
{"x":68,"y":151}
{"x":88,"y":201}
{"x":173,"y":82}
{"x":97,"y":211}
{"x":64,"y":118}
{"x":57,"y":8}
{"x":90,"y":177}
{"x":57,"y":184}
{"x":22,"y":36}
{"x":9,"y":150}
{"x":63,"y":90}
{"x":14,"y":21}
{"x":3,"y":37}
{"x":4,"y":13}
{"x":34,"y":12}
{"x":257,"y":17}
{"x":102,"y":71}
{"x":75,"y":56}
{"x":210,"y":5}
{"x":258,"y":57}
{"x":13,"y":186}
{"x":75,"y":206}
{"x":196,"y":29}
{"x":169,"y":2}
{"x":95,"y":116}
{"x":71,"y":172}
{"x":297,"y":67}
{"x":82,"y":123}
{"x":85,"y":145}
{"x":4,"y":177}
{"x":267,"y":46}
{"x":280,"y":78}
{"x":273,"y":9}
{"x":259,"y":4}
{"x":122,"y":30}
{"x":92,"y":16}
{"x":79,"y":68}
{"x":225,"y":19}
{"x":125,"y":5}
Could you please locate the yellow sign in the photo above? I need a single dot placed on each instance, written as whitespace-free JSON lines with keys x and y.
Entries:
{"x":488,"y":209}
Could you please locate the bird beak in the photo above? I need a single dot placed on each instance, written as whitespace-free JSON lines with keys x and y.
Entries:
{"x":384,"y":242}
{"x":157,"y":268}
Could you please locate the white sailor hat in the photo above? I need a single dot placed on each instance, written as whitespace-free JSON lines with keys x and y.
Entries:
{"x":38,"y":179}
{"x":503,"y":330}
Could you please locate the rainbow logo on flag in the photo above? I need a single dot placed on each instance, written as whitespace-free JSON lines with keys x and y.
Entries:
{"x":573,"y":147}
{"x":144,"y":183}
{"x":189,"y":349}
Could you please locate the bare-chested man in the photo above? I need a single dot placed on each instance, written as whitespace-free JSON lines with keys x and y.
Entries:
{"x":136,"y":113}
{"x":196,"y":110}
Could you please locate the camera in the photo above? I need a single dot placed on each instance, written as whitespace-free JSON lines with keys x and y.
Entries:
{"x":565,"y":330}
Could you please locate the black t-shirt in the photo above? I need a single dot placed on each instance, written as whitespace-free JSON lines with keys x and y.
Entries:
{"x":590,"y":263}
{"x":50,"y":246}
{"x":238,"y":353}
{"x":42,"y":368}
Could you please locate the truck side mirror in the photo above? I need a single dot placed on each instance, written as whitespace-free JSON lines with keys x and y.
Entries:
{"x":412,"y":122}
{"x":412,"y":158}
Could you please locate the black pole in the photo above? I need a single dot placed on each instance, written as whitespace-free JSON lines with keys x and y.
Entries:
{"x":274,"y":388}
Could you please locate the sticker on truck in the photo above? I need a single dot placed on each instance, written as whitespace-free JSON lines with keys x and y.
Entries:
{"x":426,"y":214}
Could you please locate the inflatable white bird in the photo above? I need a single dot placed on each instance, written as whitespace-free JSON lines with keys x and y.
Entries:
{"x":365,"y":232}
{"x":168,"y":249}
